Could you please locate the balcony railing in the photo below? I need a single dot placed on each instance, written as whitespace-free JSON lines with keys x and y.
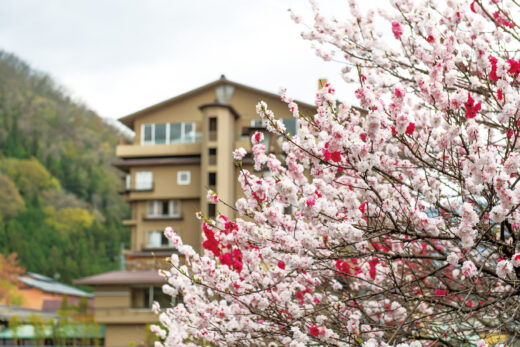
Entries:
{"x":138,"y":190}
{"x":124,"y":314}
{"x":146,"y":217}
{"x":147,"y":247}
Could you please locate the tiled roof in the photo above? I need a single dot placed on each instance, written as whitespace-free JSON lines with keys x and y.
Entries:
{"x":47,"y":284}
{"x":123,"y":277}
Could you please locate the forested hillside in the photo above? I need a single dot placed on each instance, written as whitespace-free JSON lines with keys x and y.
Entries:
{"x":59,"y":204}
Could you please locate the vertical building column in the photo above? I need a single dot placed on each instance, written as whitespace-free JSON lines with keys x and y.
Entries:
{"x":224,"y":166}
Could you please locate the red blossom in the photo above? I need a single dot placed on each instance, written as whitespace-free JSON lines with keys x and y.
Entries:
{"x":315,"y":331}
{"x":493,"y":74}
{"x":471,"y":107}
{"x":472,"y":7}
{"x":514,"y":67}
{"x":362,"y":207}
{"x":343,"y":266}
{"x":440,"y":292}
{"x":281,"y":265}
{"x":410,"y":128}
{"x":397,"y":30}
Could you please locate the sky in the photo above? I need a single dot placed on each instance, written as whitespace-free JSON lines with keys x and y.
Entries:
{"x":120,"y":56}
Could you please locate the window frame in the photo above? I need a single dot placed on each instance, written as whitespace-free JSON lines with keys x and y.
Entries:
{"x":168,"y":132}
{"x":263,"y":123}
{"x":138,"y":182}
{"x":183,"y":182}
{"x":128,"y":182}
{"x":150,"y":245}
{"x":156,"y":206}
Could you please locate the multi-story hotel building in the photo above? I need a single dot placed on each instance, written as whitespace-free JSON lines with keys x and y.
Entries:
{"x":182,"y":148}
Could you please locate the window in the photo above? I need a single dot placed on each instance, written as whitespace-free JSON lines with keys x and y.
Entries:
{"x":166,"y":133}
{"x":212,"y":156}
{"x":212,"y":210}
{"x":143,"y":298}
{"x":163,"y":208}
{"x":182,"y":132}
{"x":258,"y":123}
{"x":213,"y":129}
{"x":183,"y":177}
{"x":212,"y":179}
{"x":147,"y":133}
{"x":140,"y":298}
{"x":128,"y":182}
{"x":143,"y":180}
{"x":213,"y":124}
{"x":160,"y":134}
{"x":291,"y":125}
{"x":156,"y":239}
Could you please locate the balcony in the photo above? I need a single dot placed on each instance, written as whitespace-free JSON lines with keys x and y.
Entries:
{"x":122,"y":315}
{"x":169,"y":248}
{"x":176,"y":149}
{"x":147,"y":218}
{"x":138,"y":190}
{"x":129,"y":222}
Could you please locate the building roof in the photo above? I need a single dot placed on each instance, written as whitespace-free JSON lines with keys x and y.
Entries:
{"x":7,"y":312}
{"x":50,"y":305}
{"x":49,"y":285}
{"x":122,"y":277}
{"x":129,"y":119}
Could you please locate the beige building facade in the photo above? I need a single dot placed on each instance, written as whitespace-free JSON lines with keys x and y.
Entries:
{"x":181,"y":149}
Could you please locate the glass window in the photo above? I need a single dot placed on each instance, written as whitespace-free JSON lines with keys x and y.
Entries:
{"x":147,"y":133}
{"x":160,"y":134}
{"x":143,"y":180}
{"x":140,"y":297}
{"x":213,"y":124}
{"x":291,"y":125}
{"x":151,"y":209}
{"x":189,"y":132}
{"x":183,"y":178}
{"x":258,"y":123}
{"x":128,"y":182}
{"x":154,"y":239}
{"x":157,"y":239}
{"x":164,"y":300}
{"x":175,"y":132}
{"x":163,"y":208}
{"x":212,"y":210}
{"x":212,"y":178}
{"x":175,"y":208}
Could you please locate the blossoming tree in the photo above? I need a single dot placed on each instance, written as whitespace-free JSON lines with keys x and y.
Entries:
{"x":404,"y":225}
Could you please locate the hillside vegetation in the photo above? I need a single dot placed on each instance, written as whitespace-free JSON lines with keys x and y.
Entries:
{"x":59,"y":204}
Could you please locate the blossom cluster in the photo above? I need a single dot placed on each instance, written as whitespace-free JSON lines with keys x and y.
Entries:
{"x":395,"y":223}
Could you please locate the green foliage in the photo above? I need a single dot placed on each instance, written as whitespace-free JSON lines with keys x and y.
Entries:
{"x":11,"y":202}
{"x":13,"y":323}
{"x":62,"y":214}
{"x":38,"y":324}
{"x":29,"y":175}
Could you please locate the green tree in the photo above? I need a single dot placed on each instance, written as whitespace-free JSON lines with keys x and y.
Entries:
{"x":11,"y":202}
